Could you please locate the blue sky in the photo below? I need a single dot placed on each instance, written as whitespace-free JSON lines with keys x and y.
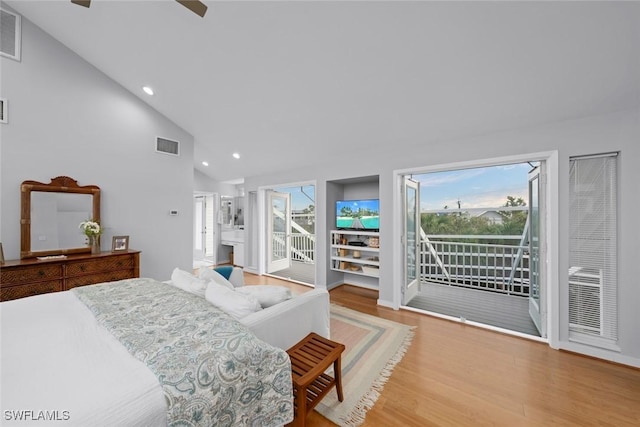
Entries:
{"x":475,"y":188}
{"x":299,"y":199}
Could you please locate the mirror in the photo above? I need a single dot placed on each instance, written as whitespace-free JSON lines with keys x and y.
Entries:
{"x":51,"y":213}
{"x":226,"y":207}
{"x":232,"y":212}
{"x":238,"y":215}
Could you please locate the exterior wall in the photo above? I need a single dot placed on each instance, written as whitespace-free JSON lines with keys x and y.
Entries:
{"x":68,"y":118}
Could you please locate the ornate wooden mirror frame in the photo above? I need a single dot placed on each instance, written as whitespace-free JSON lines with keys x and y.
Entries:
{"x":60,"y":184}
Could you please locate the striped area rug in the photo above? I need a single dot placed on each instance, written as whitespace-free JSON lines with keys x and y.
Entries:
{"x":373,"y":347}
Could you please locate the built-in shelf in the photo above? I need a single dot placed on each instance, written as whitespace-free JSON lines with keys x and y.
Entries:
{"x":355,"y":259}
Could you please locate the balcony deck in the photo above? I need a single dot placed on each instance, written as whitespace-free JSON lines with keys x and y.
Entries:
{"x":301,"y":272}
{"x":490,"y":308}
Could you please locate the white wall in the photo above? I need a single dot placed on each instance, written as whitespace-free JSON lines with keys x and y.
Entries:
{"x":68,"y":118}
{"x":203,"y":184}
{"x":614,"y":132}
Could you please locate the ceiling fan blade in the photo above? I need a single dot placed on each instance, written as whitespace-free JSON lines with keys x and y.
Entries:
{"x":195,"y":6}
{"x":85,"y":3}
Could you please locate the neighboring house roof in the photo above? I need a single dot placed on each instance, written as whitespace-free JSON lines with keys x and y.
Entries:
{"x":492,"y":216}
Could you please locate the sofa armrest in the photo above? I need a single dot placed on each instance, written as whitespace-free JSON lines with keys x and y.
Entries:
{"x":284,"y":324}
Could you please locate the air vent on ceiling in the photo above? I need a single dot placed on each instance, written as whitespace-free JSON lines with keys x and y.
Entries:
{"x":167,"y":146}
{"x":9,"y":34}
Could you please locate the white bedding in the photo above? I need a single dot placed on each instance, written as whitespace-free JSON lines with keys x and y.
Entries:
{"x":86,"y":377}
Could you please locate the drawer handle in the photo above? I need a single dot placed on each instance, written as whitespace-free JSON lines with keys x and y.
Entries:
{"x":41,"y":273}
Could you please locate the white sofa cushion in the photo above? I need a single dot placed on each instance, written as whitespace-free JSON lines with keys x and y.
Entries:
{"x":188,"y":282}
{"x":267,"y":295}
{"x":233,"y":303}
{"x":209,"y":275}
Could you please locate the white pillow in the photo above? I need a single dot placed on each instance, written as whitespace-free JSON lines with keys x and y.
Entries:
{"x":233,"y":303}
{"x":209,"y":275}
{"x":267,"y":295}
{"x":188,"y":282}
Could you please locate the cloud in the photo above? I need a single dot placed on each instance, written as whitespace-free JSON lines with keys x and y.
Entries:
{"x":437,"y":179}
{"x":475,"y":188}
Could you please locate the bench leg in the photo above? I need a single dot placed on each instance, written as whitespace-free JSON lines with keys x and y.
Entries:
{"x":300,"y":416}
{"x":337,"y":372}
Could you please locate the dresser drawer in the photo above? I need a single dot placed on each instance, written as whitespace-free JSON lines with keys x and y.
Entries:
{"x":33,"y":273}
{"x":20,"y":291}
{"x":109,"y":276}
{"x":89,"y":266}
{"x":23,"y":278}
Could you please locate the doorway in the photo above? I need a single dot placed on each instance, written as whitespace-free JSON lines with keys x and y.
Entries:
{"x":290,"y":234}
{"x":481,"y":242}
{"x":204,"y":229}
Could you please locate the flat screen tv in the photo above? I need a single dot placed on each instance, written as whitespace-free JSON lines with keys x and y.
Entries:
{"x":362,"y":214}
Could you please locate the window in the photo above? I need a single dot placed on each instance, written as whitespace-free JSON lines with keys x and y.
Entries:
{"x":593,"y":250}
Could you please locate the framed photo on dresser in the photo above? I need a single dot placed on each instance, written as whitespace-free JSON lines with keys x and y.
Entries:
{"x":120,"y":244}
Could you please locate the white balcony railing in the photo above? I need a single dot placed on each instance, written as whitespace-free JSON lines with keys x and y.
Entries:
{"x":452,"y":260}
{"x":302,"y":246}
{"x":463,"y":261}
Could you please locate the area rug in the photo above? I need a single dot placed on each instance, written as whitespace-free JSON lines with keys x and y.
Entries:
{"x":373,"y":348}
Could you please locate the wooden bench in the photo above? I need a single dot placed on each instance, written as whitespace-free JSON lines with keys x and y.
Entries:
{"x":310,"y":358}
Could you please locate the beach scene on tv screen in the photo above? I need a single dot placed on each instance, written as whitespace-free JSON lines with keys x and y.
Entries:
{"x":358,"y":214}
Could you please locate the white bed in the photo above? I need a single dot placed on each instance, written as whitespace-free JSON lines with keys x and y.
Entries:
{"x":60,"y":363}
{"x":73,"y":365}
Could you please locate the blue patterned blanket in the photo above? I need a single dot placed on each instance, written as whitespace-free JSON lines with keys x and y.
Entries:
{"x":213,"y":370}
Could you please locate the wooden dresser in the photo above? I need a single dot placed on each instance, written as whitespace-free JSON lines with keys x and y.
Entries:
{"x":27,"y":277}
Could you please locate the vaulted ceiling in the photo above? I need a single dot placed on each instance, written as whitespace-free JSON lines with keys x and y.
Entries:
{"x":291,"y":83}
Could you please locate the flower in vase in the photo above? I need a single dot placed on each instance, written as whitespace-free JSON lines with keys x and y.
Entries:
{"x":90,"y":228}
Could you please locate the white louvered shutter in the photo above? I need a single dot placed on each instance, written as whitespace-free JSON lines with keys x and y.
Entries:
{"x":592,"y":250}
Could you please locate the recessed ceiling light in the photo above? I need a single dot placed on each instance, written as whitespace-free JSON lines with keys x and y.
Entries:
{"x":236,"y":155}
{"x":205,"y":163}
{"x":147,"y":90}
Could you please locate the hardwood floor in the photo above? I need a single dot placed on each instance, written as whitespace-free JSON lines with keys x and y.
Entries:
{"x":459,"y":375}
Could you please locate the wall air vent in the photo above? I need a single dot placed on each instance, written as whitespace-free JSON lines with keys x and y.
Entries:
{"x":167,"y":146}
{"x":9,"y":34}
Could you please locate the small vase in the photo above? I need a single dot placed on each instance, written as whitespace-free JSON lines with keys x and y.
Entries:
{"x":94,"y":244}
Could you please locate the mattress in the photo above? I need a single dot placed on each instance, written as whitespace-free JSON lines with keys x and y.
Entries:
{"x":58,"y":363}
{"x":124,"y":354}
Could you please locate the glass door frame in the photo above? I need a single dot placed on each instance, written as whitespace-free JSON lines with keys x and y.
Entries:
{"x":537,"y":289}
{"x":411,"y":238}
{"x":281,"y":263}
{"x":552,"y":261}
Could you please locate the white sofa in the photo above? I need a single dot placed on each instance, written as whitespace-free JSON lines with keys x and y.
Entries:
{"x":285,"y":323}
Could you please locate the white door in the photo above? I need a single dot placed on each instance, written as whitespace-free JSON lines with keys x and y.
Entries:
{"x":278,"y":231}
{"x":199,"y":227}
{"x":211,"y":228}
{"x":411,"y":238}
{"x":537,"y":309}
